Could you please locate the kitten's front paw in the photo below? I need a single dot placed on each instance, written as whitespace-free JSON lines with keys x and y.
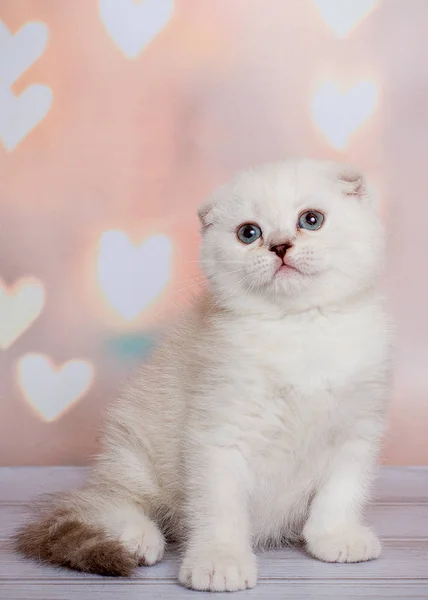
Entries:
{"x":219,"y":570}
{"x":353,"y":544}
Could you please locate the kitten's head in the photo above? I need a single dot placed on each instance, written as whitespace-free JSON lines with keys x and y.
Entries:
{"x":297,"y":234}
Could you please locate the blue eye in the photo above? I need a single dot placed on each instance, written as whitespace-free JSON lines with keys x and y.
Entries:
{"x":310,"y":219}
{"x":249,"y":233}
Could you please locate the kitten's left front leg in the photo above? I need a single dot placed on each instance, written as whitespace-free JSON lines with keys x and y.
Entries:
{"x":219,"y":556}
{"x":334,"y":531}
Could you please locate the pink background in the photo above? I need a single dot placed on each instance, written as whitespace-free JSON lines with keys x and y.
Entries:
{"x":143,"y":108}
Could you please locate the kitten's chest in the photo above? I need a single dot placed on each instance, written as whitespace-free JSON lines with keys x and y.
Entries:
{"x":304,"y":378}
{"x":314,"y":355}
{"x":299,"y":380}
{"x":306,"y":373}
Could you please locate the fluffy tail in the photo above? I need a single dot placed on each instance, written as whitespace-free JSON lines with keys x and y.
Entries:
{"x":61,"y":536}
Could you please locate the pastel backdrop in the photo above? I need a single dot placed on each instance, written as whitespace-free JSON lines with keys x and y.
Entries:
{"x":117,"y":117}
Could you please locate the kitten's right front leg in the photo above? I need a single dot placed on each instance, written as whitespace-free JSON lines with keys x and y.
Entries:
{"x":219,"y":556}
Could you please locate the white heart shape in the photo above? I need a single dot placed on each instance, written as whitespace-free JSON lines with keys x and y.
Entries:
{"x":339,"y":114}
{"x":343,"y":15}
{"x":131,"y":25}
{"x":20,"y":305}
{"x":52,"y":390}
{"x":19,"y":51}
{"x":133,"y":276}
{"x":20,"y":114}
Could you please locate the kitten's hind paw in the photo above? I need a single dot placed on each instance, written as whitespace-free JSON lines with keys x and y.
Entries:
{"x":144,"y":540}
{"x":219,"y":570}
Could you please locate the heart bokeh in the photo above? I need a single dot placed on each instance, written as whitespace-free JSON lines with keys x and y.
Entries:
{"x":340,"y":113}
{"x":19,"y":51}
{"x":342,"y":16}
{"x":20,"y":114}
{"x":20,"y":305}
{"x":131,"y":276}
{"x":133,"y":25}
{"x":51,"y":390}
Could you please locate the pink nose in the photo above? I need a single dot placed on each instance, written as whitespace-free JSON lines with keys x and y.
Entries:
{"x":281,"y":249}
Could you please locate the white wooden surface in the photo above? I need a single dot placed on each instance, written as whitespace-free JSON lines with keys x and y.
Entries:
{"x":399,"y":514}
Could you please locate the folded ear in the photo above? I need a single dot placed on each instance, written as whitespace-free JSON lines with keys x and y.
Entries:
{"x":353,"y":183}
{"x":212,"y":207}
{"x":205,"y":215}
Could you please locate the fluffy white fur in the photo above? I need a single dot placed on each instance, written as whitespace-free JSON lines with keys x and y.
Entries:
{"x":259,"y":419}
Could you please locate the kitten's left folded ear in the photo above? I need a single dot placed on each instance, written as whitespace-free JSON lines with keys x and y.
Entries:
{"x":207,"y":212}
{"x":353,"y":183}
{"x":205,"y":215}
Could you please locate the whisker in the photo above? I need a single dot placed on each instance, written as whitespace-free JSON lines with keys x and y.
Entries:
{"x":203,"y":278}
{"x":216,"y":262}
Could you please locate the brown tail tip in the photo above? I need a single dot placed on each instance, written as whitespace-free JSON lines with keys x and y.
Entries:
{"x":76,"y":546}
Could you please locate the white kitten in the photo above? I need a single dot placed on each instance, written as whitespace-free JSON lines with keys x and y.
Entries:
{"x":259,"y":419}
